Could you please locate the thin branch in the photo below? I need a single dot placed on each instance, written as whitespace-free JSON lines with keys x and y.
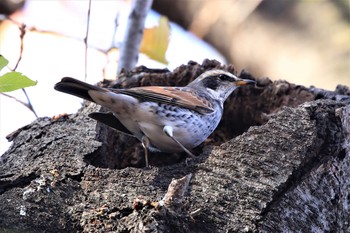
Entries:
{"x":86,"y":38}
{"x":132,"y":40}
{"x":20,"y":101}
{"x":29,"y":103}
{"x":116,"y":24}
{"x":22,"y":29}
{"x":34,"y":29}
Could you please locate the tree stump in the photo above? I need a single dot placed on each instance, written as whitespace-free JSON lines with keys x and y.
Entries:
{"x":278,"y":162}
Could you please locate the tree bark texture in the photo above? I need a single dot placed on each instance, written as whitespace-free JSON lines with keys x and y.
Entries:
{"x":279,"y":162}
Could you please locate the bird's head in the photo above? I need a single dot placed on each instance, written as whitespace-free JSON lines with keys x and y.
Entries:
{"x":218,"y":83}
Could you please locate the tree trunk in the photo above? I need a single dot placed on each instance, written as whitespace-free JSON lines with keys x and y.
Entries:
{"x":279,"y":161}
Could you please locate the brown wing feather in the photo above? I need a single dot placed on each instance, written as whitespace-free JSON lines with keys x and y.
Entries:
{"x":170,"y":95}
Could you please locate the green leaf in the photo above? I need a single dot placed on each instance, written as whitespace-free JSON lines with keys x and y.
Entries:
{"x":3,"y":62}
{"x":14,"y":80}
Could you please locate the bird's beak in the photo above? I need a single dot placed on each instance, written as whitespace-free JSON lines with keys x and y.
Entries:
{"x":242,"y":82}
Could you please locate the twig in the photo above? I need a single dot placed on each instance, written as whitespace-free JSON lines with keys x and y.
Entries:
{"x":132,"y":40}
{"x":20,"y":101}
{"x":34,"y":29}
{"x":116,"y":24}
{"x":29,"y":105}
{"x":22,"y":29}
{"x":86,"y":38}
{"x":195,"y":213}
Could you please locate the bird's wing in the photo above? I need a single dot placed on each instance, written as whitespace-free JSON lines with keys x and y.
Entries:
{"x":176,"y":96}
{"x":112,"y":121}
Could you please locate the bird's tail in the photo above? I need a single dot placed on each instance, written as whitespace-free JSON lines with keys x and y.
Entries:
{"x":76,"y":87}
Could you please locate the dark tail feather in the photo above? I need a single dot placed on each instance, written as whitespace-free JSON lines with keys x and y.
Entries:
{"x":109,"y":119}
{"x":75,"y":87}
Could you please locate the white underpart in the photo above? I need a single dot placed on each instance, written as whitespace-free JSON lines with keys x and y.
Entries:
{"x":213,"y":94}
{"x":168,"y":130}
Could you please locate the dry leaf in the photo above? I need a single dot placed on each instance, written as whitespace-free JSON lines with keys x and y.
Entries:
{"x":155,"y":40}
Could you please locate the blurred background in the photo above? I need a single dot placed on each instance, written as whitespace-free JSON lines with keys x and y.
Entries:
{"x":303,"y":41}
{"x":306,"y":42}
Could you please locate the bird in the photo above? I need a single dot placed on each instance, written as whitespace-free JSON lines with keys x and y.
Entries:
{"x":162,"y":118}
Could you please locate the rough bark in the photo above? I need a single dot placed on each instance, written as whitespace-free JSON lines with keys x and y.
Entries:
{"x":279,"y":161}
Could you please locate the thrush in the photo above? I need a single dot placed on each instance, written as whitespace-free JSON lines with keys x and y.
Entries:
{"x":167,"y":119}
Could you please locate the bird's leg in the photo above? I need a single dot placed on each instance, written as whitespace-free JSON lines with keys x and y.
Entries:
{"x":168,"y":130}
{"x":145,"y":144}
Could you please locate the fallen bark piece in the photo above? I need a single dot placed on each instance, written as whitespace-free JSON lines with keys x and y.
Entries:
{"x":177,"y":188}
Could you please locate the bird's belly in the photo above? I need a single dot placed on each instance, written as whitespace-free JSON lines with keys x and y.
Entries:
{"x":161,"y":141}
{"x":189,"y":127}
